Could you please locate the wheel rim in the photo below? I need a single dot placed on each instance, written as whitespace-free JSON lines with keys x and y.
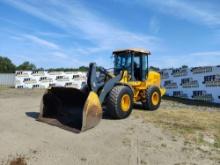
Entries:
{"x":125,"y":103}
{"x":155,"y":98}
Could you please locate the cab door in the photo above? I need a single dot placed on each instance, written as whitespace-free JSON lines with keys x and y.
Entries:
{"x":139,"y":67}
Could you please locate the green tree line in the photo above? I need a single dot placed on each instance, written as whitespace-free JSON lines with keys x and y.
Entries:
{"x":7,"y":66}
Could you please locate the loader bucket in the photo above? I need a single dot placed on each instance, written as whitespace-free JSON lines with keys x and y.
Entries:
{"x":70,"y":109}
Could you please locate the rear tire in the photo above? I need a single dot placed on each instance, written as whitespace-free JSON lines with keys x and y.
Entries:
{"x":153,"y":99}
{"x":119,"y":102}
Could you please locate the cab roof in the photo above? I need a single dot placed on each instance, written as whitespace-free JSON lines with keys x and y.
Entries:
{"x":132,"y":50}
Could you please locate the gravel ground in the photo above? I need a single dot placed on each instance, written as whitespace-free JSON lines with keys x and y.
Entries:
{"x":120,"y":142}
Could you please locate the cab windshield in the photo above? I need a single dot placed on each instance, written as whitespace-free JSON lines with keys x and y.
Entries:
{"x":122,"y":62}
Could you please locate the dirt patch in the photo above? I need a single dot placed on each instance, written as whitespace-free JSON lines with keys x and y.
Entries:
{"x":18,"y":160}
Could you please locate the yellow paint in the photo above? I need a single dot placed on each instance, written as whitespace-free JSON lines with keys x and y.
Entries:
{"x":125,"y":77}
{"x":153,"y":79}
{"x":155,"y":98}
{"x":162,"y":91}
{"x":125,"y":102}
{"x":92,"y":101}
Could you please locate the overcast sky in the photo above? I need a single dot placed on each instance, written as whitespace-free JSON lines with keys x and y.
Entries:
{"x":71,"y":33}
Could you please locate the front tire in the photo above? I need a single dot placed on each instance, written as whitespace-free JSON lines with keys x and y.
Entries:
{"x":153,"y":98}
{"x":119,"y":102}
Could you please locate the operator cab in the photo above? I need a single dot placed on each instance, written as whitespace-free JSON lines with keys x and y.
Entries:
{"x":135,"y":61}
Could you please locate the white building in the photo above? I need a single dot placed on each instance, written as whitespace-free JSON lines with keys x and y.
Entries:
{"x":199,"y":83}
{"x":45,"y":79}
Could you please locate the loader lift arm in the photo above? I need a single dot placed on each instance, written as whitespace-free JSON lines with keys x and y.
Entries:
{"x":95,"y":85}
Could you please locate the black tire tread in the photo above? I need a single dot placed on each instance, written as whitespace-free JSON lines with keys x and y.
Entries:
{"x":112,"y":101}
{"x":148,"y":105}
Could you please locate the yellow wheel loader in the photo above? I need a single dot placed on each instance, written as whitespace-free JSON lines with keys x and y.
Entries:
{"x":131,"y":82}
